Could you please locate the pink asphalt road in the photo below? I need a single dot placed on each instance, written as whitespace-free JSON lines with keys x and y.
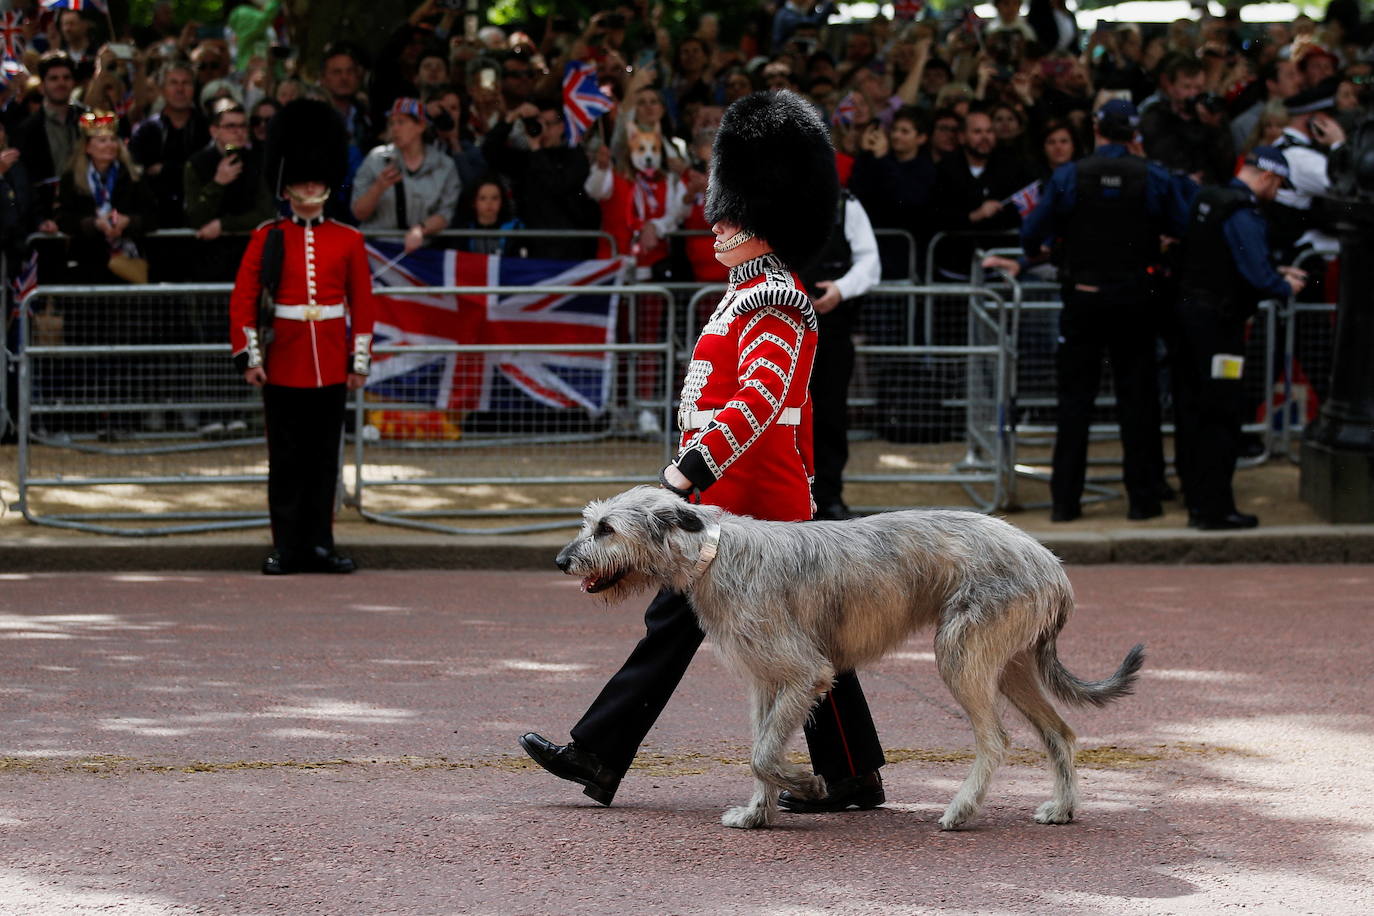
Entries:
{"x":228,"y":743}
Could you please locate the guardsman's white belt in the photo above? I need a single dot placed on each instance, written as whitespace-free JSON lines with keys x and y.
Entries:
{"x":308,"y":312}
{"x":697,"y":419}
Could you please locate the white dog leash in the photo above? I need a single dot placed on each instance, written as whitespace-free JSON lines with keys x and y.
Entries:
{"x":708,"y":550}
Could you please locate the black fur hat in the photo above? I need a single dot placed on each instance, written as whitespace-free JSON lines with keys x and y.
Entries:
{"x":773,"y":173}
{"x":306,"y":141}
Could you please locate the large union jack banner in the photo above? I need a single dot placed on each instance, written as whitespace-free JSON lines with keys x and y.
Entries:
{"x":12,"y":42}
{"x":504,"y":381}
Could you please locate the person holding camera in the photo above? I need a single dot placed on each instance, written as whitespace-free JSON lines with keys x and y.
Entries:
{"x":225,"y":193}
{"x":547,"y":175}
{"x":1185,"y":130}
{"x":406,"y":184}
{"x":445,"y":109}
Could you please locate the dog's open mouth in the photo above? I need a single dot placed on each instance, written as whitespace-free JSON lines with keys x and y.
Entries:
{"x":599,"y":583}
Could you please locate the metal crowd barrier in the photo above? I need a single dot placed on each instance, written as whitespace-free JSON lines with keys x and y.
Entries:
{"x":447,"y":463}
{"x":112,"y":434}
{"x":1309,"y":344}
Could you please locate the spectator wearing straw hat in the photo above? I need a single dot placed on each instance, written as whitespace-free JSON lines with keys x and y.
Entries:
{"x":406,"y":184}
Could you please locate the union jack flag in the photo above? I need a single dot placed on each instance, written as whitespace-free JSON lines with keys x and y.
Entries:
{"x":505,"y":381}
{"x":12,"y":35}
{"x":907,"y":9}
{"x":845,"y":111}
{"x":1026,"y":199}
{"x":583,"y":100}
{"x":76,"y":6}
{"x":24,"y":283}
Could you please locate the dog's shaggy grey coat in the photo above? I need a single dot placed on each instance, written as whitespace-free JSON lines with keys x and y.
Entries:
{"x":789,"y":604}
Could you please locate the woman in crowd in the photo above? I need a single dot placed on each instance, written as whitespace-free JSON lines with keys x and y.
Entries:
{"x":1058,"y":145}
{"x":486,"y":204}
{"x":257,"y":120}
{"x":103,"y":206}
{"x":406,"y":184}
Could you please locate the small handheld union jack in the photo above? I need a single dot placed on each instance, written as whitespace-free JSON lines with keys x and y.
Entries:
{"x":76,"y":6}
{"x":846,"y":109}
{"x":1026,"y":199}
{"x":25,"y":282}
{"x":583,"y":100}
{"x":12,"y":41}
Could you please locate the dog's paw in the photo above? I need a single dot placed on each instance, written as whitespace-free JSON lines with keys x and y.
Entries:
{"x":1054,"y":812}
{"x":746,"y":817}
{"x":955,"y":816}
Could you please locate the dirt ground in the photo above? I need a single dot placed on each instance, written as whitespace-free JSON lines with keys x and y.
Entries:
{"x":224,"y":743}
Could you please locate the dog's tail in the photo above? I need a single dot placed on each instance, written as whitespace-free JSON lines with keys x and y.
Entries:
{"x":1064,"y":685}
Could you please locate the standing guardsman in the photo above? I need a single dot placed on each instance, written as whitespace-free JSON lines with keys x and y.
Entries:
{"x":301,"y":328}
{"x":1226,"y":271}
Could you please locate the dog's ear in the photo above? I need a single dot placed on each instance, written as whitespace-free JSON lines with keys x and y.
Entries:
{"x":688,"y":520}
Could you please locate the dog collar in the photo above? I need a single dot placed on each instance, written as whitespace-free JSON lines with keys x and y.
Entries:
{"x":708,"y":550}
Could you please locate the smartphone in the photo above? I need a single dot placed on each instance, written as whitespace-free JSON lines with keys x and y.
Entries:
{"x":486,"y":78}
{"x":1314,"y":127}
{"x":122,"y":51}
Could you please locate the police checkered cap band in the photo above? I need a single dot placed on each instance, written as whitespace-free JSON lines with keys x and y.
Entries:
{"x":408,"y":106}
{"x":1268,"y":159}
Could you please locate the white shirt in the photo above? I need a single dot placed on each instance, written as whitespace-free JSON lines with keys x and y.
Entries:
{"x":865,"y":271}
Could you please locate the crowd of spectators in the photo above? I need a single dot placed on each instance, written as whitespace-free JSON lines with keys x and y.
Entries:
{"x":937,"y":122}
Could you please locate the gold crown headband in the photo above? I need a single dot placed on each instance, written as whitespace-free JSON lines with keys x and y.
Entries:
{"x":100,"y":124}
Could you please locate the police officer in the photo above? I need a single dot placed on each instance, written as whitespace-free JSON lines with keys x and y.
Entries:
{"x":848,"y":267}
{"x":1225,"y":272}
{"x":1108,"y":212}
{"x":319,"y":344}
{"x":1311,"y":135}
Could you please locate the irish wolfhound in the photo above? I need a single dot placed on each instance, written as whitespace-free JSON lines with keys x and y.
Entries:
{"x":791,"y":604}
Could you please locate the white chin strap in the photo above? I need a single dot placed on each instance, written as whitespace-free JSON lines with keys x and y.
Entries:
{"x":308,"y":201}
{"x":736,"y":240}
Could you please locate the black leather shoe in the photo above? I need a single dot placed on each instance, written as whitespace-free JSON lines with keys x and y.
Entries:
{"x":568,"y":761}
{"x":330,"y":561}
{"x":1165,"y":492}
{"x":1140,"y":512}
{"x":1065,"y":513}
{"x":273,"y":565}
{"x":862,"y":792}
{"x":1229,"y":522}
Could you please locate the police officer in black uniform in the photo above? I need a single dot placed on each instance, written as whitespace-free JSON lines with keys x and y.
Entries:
{"x":1108,"y":212}
{"x":1225,"y":272}
{"x":847,"y":268}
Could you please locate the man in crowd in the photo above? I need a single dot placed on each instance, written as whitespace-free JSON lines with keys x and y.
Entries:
{"x":48,"y":136}
{"x":1280,"y":81}
{"x":341,"y":74}
{"x":1185,"y":129}
{"x":1108,"y":212}
{"x":970,"y":186}
{"x":164,"y":142}
{"x":225,"y":193}
{"x":547,"y":175}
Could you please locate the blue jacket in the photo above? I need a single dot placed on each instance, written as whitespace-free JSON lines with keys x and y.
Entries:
{"x":1163,"y":201}
{"x":1247,"y":235}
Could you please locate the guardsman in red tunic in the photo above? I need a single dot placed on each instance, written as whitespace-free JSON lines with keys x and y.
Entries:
{"x":301,"y":319}
{"x":746,"y":440}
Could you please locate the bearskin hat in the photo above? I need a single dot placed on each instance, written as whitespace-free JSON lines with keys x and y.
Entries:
{"x":773,"y":173}
{"x":306,"y":141}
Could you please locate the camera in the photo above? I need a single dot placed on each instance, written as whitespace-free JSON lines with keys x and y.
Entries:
{"x":533,"y":126}
{"x":613,"y":21}
{"x":443,"y":122}
{"x":1210,"y":101}
{"x":564,"y":25}
{"x":234,"y":151}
